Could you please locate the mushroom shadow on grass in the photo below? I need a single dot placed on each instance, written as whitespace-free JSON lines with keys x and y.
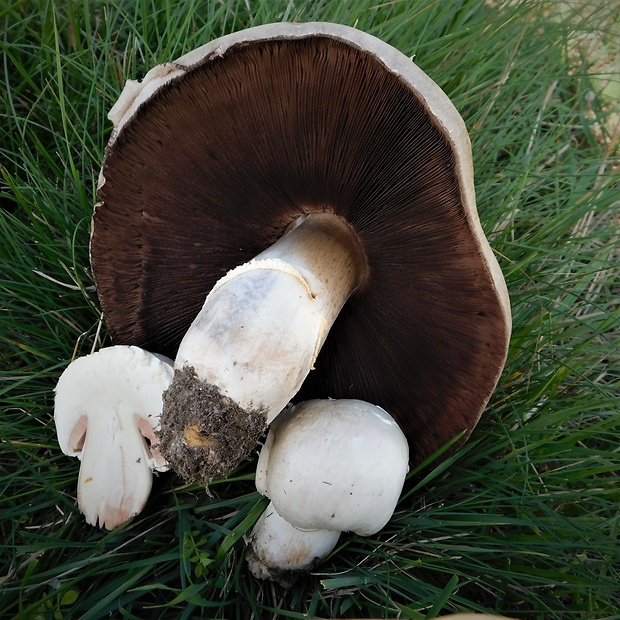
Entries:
{"x":216,"y":155}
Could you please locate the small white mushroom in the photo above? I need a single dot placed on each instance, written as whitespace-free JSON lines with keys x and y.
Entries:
{"x":328,"y":466}
{"x":107,"y":409}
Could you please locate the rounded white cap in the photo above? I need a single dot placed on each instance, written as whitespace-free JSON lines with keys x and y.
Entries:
{"x":335,"y":465}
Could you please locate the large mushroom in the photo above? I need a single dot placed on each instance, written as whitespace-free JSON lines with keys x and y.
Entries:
{"x":339,"y":166}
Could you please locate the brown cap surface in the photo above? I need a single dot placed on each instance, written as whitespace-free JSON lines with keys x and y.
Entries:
{"x":293,"y":119}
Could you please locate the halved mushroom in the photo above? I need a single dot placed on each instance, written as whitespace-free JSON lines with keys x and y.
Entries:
{"x":107,"y":409}
{"x":336,"y":137}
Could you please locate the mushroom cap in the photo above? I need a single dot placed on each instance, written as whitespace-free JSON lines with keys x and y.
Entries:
{"x":334,"y":465}
{"x":243,"y":135}
{"x":107,"y":409}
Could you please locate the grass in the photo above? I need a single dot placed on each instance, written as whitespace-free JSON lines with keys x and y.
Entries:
{"x":523,"y":521}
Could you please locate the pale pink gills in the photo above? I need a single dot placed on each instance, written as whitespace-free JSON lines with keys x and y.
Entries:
{"x":107,"y":411}
{"x":328,"y":466}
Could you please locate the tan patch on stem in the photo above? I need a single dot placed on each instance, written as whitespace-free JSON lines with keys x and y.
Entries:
{"x":194,"y":437}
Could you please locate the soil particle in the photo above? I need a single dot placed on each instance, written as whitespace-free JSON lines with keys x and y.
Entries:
{"x":205,"y":434}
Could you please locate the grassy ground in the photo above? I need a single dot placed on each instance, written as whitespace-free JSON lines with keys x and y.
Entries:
{"x":523,"y":520}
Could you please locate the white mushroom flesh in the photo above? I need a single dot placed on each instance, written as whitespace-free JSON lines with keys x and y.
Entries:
{"x":107,"y":409}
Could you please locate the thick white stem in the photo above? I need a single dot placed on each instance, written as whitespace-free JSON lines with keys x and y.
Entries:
{"x":253,"y":343}
{"x":264,"y":323}
{"x":115,"y":473}
{"x":279,"y":551}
